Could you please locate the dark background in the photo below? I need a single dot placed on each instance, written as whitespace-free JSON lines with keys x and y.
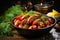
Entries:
{"x":5,"y":4}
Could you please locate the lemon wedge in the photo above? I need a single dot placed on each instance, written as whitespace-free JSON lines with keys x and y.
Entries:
{"x":53,"y":14}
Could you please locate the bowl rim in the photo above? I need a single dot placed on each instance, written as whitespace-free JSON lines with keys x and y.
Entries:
{"x":34,"y":29}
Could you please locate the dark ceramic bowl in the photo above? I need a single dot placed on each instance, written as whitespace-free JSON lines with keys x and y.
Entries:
{"x":34,"y":32}
{"x":45,"y":8}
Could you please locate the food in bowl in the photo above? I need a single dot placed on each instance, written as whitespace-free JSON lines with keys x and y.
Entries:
{"x":36,"y":21}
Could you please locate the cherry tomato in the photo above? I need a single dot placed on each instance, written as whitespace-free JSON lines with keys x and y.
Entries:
{"x":24,"y":16}
{"x":19,"y":17}
{"x":23,"y":21}
{"x":39,"y":27}
{"x":17,"y":22}
{"x":42,"y":24}
{"x":20,"y":26}
{"x":30,"y":27}
{"x":50,"y":20}
{"x":28,"y":20}
{"x":31,"y":21}
{"x":47,"y":22}
{"x":34,"y":26}
{"x":35,"y":22}
{"x":48,"y":25}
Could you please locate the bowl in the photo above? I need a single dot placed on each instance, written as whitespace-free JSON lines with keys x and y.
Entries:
{"x":33,"y":32}
{"x":44,"y":8}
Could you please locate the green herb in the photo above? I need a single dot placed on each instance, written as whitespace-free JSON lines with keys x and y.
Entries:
{"x":5,"y":20}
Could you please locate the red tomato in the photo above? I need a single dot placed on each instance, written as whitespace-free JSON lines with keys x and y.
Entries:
{"x":23,"y":21}
{"x":48,"y":25}
{"x":28,"y":20}
{"x":34,"y":26}
{"x":20,"y":26}
{"x":39,"y":27}
{"x":42,"y":24}
{"x":30,"y":27}
{"x":17,"y":22}
{"x":31,"y":20}
{"x":19,"y":17}
{"x":24,"y":16}
{"x":35,"y":22}
{"x":47,"y":22}
{"x":50,"y":20}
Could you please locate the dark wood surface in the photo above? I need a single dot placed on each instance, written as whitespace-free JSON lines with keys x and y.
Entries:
{"x":47,"y":37}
